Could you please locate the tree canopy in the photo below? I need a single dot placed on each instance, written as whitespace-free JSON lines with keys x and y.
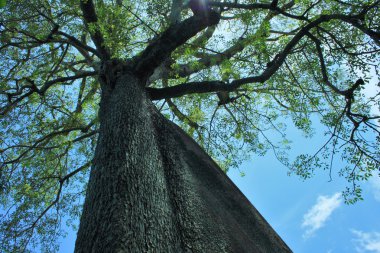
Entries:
{"x":233,"y":87}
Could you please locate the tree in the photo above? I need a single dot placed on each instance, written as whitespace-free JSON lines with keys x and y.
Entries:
{"x":96,"y":83}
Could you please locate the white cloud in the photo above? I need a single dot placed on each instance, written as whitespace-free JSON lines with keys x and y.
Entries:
{"x":318,"y":214}
{"x":375,"y":186}
{"x":367,"y":242}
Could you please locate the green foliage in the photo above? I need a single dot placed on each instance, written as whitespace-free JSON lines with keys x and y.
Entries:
{"x":49,"y":96}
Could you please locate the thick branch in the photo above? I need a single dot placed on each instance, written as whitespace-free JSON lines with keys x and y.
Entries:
{"x":208,"y":61}
{"x":89,"y":15}
{"x":374,"y":35}
{"x":163,"y":71}
{"x":78,"y":44}
{"x":322,"y":63}
{"x":211,"y":60}
{"x":188,"y":88}
{"x":273,"y":66}
{"x":279,"y":59}
{"x":266,"y":6}
{"x":175,"y":36}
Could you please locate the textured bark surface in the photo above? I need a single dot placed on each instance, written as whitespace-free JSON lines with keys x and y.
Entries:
{"x":153,"y":189}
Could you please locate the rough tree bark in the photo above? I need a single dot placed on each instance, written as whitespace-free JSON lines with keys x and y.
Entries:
{"x":153,"y":189}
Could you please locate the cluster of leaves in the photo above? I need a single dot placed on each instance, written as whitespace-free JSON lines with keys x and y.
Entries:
{"x":277,"y":62}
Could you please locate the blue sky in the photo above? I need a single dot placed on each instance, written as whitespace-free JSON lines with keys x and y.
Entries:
{"x":311,"y":215}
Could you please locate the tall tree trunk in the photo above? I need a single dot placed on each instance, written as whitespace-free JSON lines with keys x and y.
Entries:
{"x":153,"y":189}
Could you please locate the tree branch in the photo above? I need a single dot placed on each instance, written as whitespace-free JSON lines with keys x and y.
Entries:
{"x":176,"y":35}
{"x":181,"y":116}
{"x":215,"y":59}
{"x":164,"y":70}
{"x":82,"y":48}
{"x":175,"y":12}
{"x":188,"y":88}
{"x":46,"y":138}
{"x":322,"y":63}
{"x":33,"y":88}
{"x":266,"y":6}
{"x":89,"y":15}
{"x":211,"y":60}
{"x":272,"y":67}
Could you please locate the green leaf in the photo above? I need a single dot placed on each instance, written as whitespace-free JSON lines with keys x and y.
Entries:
{"x":3,"y":3}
